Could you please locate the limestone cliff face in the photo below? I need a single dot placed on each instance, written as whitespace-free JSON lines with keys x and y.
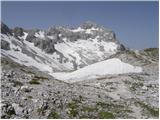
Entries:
{"x":60,"y":48}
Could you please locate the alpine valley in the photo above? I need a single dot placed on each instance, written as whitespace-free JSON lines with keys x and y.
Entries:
{"x":82,"y":72}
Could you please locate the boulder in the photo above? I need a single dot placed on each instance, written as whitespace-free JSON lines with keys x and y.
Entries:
{"x":5,"y":45}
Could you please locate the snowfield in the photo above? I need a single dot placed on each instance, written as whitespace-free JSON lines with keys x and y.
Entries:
{"x":97,"y":70}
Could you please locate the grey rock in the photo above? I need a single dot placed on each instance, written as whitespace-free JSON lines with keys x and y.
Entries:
{"x":17,"y":108}
{"x":18,"y":31}
{"x":5,"y":45}
{"x":121,"y":47}
{"x":88,"y":25}
{"x":31,"y":35}
{"x":46,"y":45}
{"x":30,"y":38}
{"x":26,"y":88}
{"x":7,"y":110}
{"x":53,"y":31}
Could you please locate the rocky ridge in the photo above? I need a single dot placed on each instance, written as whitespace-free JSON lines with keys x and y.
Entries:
{"x":60,"y":48}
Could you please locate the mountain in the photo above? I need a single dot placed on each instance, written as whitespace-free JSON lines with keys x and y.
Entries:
{"x":82,"y":72}
{"x":59,"y":48}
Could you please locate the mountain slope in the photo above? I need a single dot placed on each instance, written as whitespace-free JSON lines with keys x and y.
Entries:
{"x":28,"y":93}
{"x":59,"y":48}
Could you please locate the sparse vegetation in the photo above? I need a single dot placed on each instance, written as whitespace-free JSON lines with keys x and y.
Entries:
{"x":37,"y":79}
{"x":102,"y":104}
{"x":135,"y":77}
{"x":154,"y":112}
{"x":17,"y":83}
{"x":53,"y":115}
{"x":72,"y":105}
{"x":39,"y":110}
{"x":27,"y":71}
{"x":4,"y":62}
{"x":41,"y":77}
{"x":105,"y":115}
{"x":9,"y":113}
{"x":132,"y":53}
{"x":34,"y":81}
{"x":73,"y":112}
{"x":80,"y":98}
{"x":136,"y":85}
{"x":30,"y":97}
{"x":153,"y":53}
{"x":89,"y":109}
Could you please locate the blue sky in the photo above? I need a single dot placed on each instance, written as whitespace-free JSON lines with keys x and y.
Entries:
{"x":135,"y":23}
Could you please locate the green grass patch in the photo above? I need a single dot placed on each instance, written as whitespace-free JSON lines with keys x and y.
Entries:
{"x":103,"y":105}
{"x":73,"y":106}
{"x":73,"y":113}
{"x":53,"y":115}
{"x":34,"y":81}
{"x":89,"y":109}
{"x":30,"y":97}
{"x":37,"y":79}
{"x":105,"y":115}
{"x":41,"y":77}
{"x":17,"y":83}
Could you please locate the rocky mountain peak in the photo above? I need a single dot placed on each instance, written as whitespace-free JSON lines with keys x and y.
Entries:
{"x":70,"y":48}
{"x":89,"y":25}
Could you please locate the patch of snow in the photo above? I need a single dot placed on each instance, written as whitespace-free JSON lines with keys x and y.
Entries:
{"x":27,"y":60}
{"x":10,"y":39}
{"x":79,"y":29}
{"x":59,"y":35}
{"x":51,"y":37}
{"x":40,"y":34}
{"x":42,"y":61}
{"x":90,"y":31}
{"x":110,"y":66}
{"x":81,"y":50}
{"x":24,"y":36}
{"x":49,"y":59}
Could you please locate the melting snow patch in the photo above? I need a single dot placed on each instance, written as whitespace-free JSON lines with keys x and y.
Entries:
{"x":110,"y":66}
